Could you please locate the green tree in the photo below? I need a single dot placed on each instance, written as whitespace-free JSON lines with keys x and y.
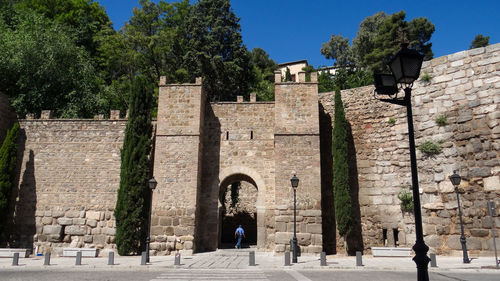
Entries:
{"x":215,"y":50}
{"x":378,"y":38}
{"x":364,"y":42}
{"x":479,"y":41}
{"x":288,"y":75}
{"x":263,"y":74}
{"x":133,"y":194}
{"x":86,"y":18}
{"x":325,"y":82}
{"x":341,"y":188}
{"x":338,"y":49}
{"x":42,"y":68}
{"x":8,"y":161}
{"x":308,"y":70}
{"x":348,"y":78}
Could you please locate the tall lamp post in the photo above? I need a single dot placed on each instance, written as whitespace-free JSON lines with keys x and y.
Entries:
{"x":405,"y":67}
{"x":295,"y":183}
{"x":152,"y":185}
{"x":455,"y":180}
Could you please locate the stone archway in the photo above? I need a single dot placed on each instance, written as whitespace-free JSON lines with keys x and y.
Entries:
{"x":251,"y":177}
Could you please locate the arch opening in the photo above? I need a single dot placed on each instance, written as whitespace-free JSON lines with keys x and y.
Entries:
{"x":238,"y":195}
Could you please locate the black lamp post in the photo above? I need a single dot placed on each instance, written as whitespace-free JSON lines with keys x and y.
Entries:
{"x":295,"y":183}
{"x":152,"y":185}
{"x":405,"y":67}
{"x":455,"y":180}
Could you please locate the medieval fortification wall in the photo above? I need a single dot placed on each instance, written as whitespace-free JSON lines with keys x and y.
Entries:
{"x":70,"y":169}
{"x":465,"y":88}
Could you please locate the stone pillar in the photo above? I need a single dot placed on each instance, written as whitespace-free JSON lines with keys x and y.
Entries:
{"x":177,"y":166}
{"x":114,"y":114}
{"x":239,"y":98}
{"x":253,"y":97}
{"x":46,"y":114}
{"x":296,"y":136}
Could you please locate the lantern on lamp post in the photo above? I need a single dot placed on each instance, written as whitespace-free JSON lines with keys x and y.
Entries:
{"x":455,"y":180}
{"x":405,"y":67}
{"x":295,"y":183}
{"x":152,"y":185}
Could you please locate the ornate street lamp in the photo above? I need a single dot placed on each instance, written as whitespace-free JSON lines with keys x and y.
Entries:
{"x":295,"y":183}
{"x":405,"y":67}
{"x":455,"y":180}
{"x":152,"y":185}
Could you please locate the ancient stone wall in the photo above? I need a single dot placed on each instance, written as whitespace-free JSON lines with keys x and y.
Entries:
{"x":7,"y":116}
{"x":465,"y":89}
{"x":69,"y":176}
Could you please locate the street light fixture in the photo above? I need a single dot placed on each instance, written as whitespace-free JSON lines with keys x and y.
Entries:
{"x":405,"y":67}
{"x":152,"y":185}
{"x":295,"y":183}
{"x":455,"y":180}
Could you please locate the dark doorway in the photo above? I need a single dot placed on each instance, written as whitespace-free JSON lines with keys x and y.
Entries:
{"x":238,"y":202}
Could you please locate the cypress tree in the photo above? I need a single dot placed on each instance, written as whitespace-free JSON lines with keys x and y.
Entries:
{"x":133,"y":194}
{"x":8,"y":162}
{"x":341,"y":190}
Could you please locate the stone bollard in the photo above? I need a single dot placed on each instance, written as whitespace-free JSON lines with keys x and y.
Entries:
{"x":78,"y":258}
{"x":359,"y":259}
{"x":143,"y":258}
{"x":46,"y":260}
{"x":177,"y":260}
{"x":322,"y":259}
{"x":251,"y":258}
{"x":111,"y":258}
{"x":15,"y":259}
{"x":287,"y":258}
{"x":433,"y":260}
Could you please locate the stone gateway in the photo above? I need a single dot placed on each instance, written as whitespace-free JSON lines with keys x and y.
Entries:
{"x":219,"y":164}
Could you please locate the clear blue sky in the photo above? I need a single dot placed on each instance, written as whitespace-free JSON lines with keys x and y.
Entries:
{"x":294,"y":30}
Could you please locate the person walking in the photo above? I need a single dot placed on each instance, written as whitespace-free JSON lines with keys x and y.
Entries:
{"x":239,"y":234}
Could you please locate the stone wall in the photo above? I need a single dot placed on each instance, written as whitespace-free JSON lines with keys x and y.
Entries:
{"x":69,"y":176}
{"x":7,"y":116}
{"x":465,"y":89}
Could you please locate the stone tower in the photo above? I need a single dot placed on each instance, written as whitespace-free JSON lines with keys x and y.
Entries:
{"x":202,"y":148}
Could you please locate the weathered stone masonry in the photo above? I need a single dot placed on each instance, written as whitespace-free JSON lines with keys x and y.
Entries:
{"x":69,"y":169}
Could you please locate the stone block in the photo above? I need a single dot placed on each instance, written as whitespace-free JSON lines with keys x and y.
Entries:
{"x":304,"y":239}
{"x":314,"y":228}
{"x":91,"y":223}
{"x":88,"y":238}
{"x":433,"y":241}
{"x":492,"y":183}
{"x":47,"y":220}
{"x":72,"y":214}
{"x":479,"y":172}
{"x":92,"y":215}
{"x":283,"y":237}
{"x":188,"y":245}
{"x":75,"y":230}
{"x":109,"y":231}
{"x":65,"y":221}
{"x":79,"y":221}
{"x":52,"y":229}
{"x":453,"y":242}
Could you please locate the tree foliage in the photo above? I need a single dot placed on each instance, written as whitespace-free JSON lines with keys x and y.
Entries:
{"x":8,"y":161}
{"x":263,"y":74}
{"x":41,"y":67}
{"x":378,"y":38}
{"x":341,"y":189}
{"x":479,"y":41}
{"x":133,"y":194}
{"x":338,"y":49}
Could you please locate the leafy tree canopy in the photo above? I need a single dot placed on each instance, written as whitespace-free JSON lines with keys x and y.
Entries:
{"x":479,"y":41}
{"x":263,"y":74}
{"x":41,"y":67}
{"x":378,"y":38}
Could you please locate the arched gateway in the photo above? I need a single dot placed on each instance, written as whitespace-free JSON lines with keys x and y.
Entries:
{"x":201,"y":148}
